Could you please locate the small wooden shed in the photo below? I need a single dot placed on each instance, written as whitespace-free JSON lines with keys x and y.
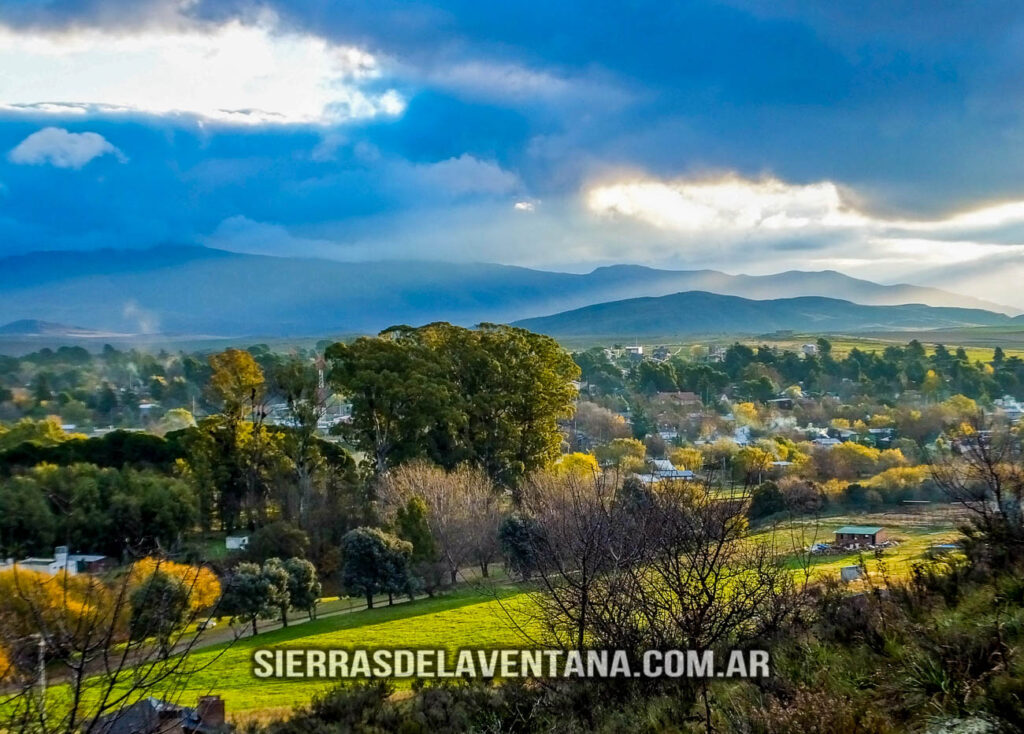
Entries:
{"x":860,"y":535}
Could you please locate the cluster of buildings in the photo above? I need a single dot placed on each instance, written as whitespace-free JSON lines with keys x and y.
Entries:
{"x":62,"y":561}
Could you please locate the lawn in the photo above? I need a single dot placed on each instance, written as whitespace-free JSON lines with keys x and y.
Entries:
{"x":477,"y":616}
{"x":914,"y":533}
{"x":469,"y":618}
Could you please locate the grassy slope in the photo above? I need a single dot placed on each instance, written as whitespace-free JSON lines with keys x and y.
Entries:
{"x":477,"y":617}
{"x":472,"y":618}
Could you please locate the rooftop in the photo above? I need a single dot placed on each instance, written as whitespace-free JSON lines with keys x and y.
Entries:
{"x":859,"y":529}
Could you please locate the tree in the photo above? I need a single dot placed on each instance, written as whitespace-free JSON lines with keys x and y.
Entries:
{"x":159,"y":608}
{"x":766,"y":499}
{"x":372,"y":561}
{"x":492,"y":396}
{"x":463,"y":510}
{"x":278,"y":582}
{"x":519,"y":536}
{"x":983,"y":472}
{"x":689,"y":458}
{"x":277,"y":540}
{"x":237,"y":382}
{"x":577,"y":463}
{"x":251,"y":593}
{"x":303,"y":585}
{"x":100,"y":633}
{"x":396,"y":393}
{"x":299,"y":382}
{"x":411,"y":524}
{"x":620,"y":452}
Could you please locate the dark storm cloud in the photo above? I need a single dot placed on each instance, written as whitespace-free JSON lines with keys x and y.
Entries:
{"x":914,"y":106}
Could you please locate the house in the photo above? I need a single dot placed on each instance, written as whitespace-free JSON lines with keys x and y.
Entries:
{"x":781,"y":403}
{"x":636,"y":352}
{"x":826,"y":442}
{"x":859,"y":535}
{"x":236,"y":542}
{"x":153,"y":716}
{"x":665,"y":470}
{"x":681,"y":397}
{"x":809,"y":350}
{"x":72,"y":563}
{"x":1010,"y":408}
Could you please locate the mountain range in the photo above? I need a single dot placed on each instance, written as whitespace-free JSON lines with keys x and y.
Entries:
{"x":203,"y":291}
{"x":698,"y":312}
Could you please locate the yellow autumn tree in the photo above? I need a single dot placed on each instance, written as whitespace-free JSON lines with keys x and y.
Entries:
{"x":620,"y":450}
{"x":237,"y":381}
{"x":687,"y":457}
{"x":577,"y":464}
{"x":74,"y":605}
{"x":932,"y":384}
{"x":745,"y":414}
{"x":200,"y":583}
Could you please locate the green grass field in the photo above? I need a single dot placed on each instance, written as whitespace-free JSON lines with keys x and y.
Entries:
{"x":474,"y":618}
{"x":467,"y":618}
{"x":914,"y":533}
{"x":977,"y":342}
{"x":479,"y":617}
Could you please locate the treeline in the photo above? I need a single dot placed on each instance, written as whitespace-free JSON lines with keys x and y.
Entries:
{"x":488,"y":399}
{"x":760,"y":373}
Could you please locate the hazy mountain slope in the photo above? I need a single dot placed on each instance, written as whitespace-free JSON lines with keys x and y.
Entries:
{"x":34,"y":327}
{"x":706,"y":313}
{"x":202,"y":291}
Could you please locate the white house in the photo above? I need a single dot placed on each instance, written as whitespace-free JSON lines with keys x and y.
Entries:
{"x":72,"y":563}
{"x":236,"y":542}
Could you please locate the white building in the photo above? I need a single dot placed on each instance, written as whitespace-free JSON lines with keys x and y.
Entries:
{"x":236,"y":542}
{"x":72,"y":563}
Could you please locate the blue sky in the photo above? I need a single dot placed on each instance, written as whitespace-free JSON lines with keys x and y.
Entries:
{"x":884,"y":139}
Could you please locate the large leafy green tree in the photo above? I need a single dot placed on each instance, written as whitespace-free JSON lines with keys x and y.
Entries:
{"x":374,"y":562}
{"x":491,"y":396}
{"x":253,"y":592}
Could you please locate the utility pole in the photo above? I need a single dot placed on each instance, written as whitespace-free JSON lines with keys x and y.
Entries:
{"x":41,"y":679}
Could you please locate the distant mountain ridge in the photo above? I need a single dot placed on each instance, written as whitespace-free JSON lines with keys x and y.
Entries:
{"x":196,"y":290}
{"x":697,"y":312}
{"x":35,"y":327}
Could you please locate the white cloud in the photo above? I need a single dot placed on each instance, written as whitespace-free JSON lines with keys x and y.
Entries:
{"x":465,"y":175}
{"x":235,"y":72}
{"x":524,"y":206}
{"x":725,"y":204}
{"x":60,"y":148}
{"x":734,"y":204}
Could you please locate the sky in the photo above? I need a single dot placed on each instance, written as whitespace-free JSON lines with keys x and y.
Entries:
{"x":884,"y":139}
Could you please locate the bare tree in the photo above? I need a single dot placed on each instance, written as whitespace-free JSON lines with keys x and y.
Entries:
{"x":82,"y":637}
{"x":641,"y":566}
{"x":982,"y":470}
{"x":464,"y":510}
